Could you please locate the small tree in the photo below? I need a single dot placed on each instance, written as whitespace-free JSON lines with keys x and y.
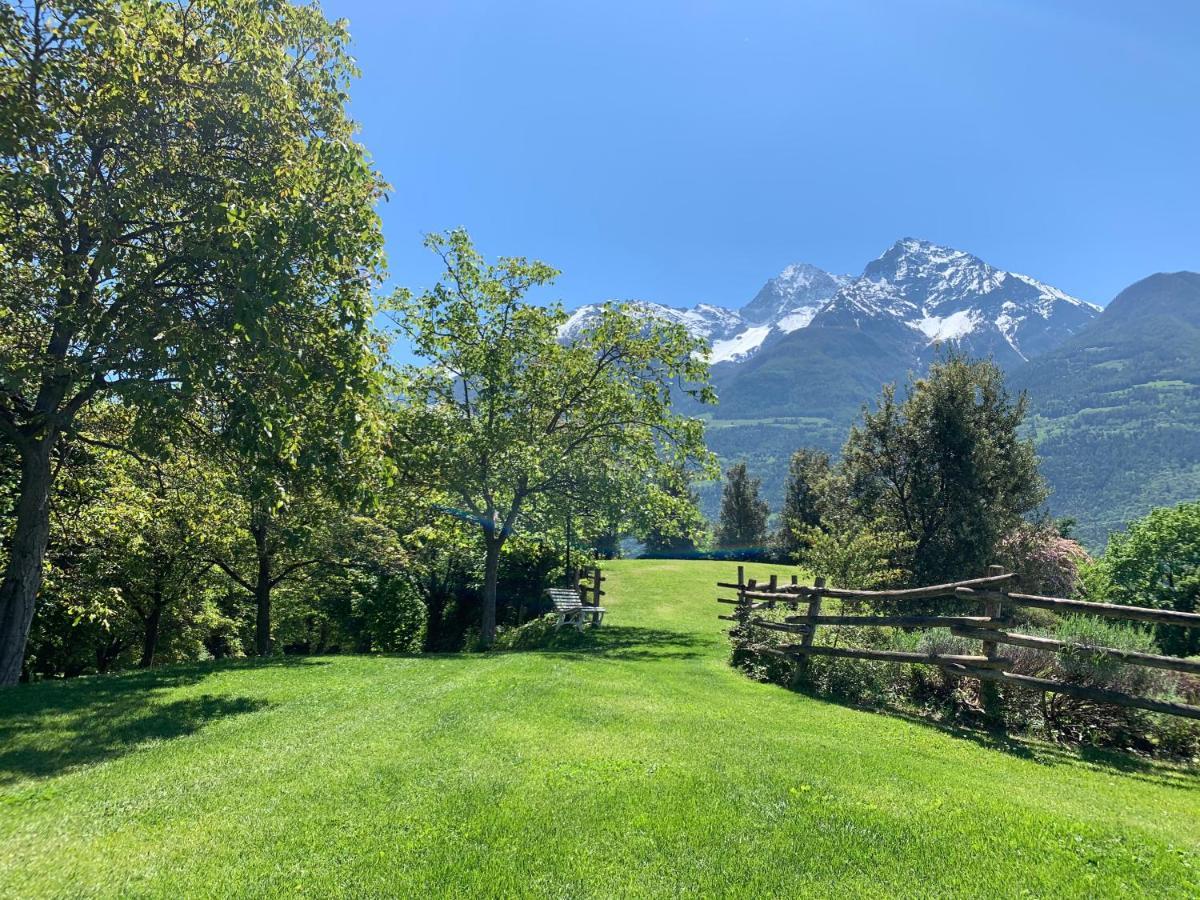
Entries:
{"x":743,"y":524}
{"x":946,"y":468}
{"x":673,"y":525}
{"x":802,"y":502}
{"x":505,"y":412}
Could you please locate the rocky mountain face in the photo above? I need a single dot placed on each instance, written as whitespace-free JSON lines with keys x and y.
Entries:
{"x":915,"y":297}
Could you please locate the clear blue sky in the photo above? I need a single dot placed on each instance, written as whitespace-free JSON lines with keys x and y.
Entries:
{"x":686,"y":151}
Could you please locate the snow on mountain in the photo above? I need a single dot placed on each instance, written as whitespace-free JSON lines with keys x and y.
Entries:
{"x":918,"y":292}
{"x":795,"y":295}
{"x":785,"y":303}
{"x":705,"y":320}
{"x":740,"y":345}
{"x":947,"y":295}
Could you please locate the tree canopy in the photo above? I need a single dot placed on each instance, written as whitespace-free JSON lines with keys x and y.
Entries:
{"x":181,"y":184}
{"x":1157,"y":563}
{"x":503,"y":411}
{"x":742,"y":528}
{"x":946,"y":468}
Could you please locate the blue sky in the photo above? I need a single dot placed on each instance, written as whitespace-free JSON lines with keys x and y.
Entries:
{"x":684,"y":152}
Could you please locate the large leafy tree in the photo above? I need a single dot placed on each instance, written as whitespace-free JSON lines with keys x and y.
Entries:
{"x":742,"y":527}
{"x":180,"y":183}
{"x":504,"y":412}
{"x":673,"y":525}
{"x":946,"y":469}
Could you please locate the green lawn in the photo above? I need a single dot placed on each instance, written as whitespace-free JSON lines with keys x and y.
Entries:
{"x":639,"y":764}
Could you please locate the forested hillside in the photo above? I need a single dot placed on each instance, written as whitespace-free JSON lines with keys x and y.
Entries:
{"x":1116,"y":409}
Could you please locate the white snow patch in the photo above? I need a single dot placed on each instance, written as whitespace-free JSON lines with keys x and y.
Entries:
{"x":798,"y":318}
{"x":948,"y":328}
{"x":739,"y":345}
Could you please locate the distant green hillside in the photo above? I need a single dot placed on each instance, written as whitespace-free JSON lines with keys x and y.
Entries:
{"x":805,"y":392}
{"x":1116,"y":409}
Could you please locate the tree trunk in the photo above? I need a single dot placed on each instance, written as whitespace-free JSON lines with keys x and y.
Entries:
{"x":491,"y":574}
{"x":150,"y":635}
{"x":262,"y":588}
{"x":23,"y":574}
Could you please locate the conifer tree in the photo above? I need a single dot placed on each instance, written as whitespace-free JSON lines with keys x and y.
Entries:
{"x":801,"y":512}
{"x":743,"y":525}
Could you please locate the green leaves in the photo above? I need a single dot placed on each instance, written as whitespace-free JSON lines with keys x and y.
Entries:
{"x":504,"y":412}
{"x":946,"y":468}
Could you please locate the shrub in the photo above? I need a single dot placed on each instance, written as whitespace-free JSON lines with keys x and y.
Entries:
{"x":929,"y":689}
{"x":1047,"y":562}
{"x":541,"y":634}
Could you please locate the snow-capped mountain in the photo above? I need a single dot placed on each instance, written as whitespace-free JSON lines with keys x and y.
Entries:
{"x":713,"y":323}
{"x":793,"y":297}
{"x":786,"y":302}
{"x":947,"y":296}
{"x":918,"y":294}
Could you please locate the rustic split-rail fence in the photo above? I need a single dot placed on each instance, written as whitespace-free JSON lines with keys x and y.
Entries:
{"x":588,"y":581}
{"x":994,"y":595}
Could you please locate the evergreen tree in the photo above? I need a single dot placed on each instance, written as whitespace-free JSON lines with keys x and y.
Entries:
{"x":946,"y":469}
{"x":802,"y":501}
{"x":675,"y":522}
{"x":743,"y":525}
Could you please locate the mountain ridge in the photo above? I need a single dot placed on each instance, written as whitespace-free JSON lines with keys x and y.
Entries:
{"x":938,"y":294}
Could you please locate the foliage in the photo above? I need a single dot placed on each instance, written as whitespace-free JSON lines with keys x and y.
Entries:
{"x":850,"y":555}
{"x":503,"y":413}
{"x":808,"y":469}
{"x":945,"y":467}
{"x":672,"y":524}
{"x":742,"y":529}
{"x":181,"y":196}
{"x":1156,"y":563}
{"x":1048,"y":563}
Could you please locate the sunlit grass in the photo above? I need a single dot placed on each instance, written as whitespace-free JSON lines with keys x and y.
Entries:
{"x":633,"y":762}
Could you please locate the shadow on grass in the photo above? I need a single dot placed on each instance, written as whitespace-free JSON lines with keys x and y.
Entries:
{"x":624,"y":642}
{"x":1039,"y":751}
{"x":53,"y":727}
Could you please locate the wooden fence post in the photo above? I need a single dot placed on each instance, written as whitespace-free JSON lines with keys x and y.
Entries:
{"x":989,"y":691}
{"x":814,"y":610}
{"x":596,"y":586}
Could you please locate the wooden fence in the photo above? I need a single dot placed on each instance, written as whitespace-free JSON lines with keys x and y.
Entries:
{"x":995,"y":596}
{"x":588,"y":581}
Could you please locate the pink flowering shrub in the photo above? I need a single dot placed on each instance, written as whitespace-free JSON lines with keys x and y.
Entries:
{"x":1048,"y":563}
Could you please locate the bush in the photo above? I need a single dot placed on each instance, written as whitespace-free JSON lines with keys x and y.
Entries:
{"x":541,"y":634}
{"x":931,"y":690}
{"x":1047,"y":562}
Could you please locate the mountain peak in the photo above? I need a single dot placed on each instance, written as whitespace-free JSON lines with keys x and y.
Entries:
{"x":917,"y":293}
{"x":798,"y":292}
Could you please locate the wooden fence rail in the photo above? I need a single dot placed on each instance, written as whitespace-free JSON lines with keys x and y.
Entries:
{"x":994,"y":594}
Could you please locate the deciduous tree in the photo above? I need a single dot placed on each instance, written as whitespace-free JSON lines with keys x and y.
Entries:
{"x":505,"y":412}
{"x":180,"y":182}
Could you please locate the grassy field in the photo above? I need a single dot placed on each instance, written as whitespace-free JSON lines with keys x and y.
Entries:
{"x":637,"y":764}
